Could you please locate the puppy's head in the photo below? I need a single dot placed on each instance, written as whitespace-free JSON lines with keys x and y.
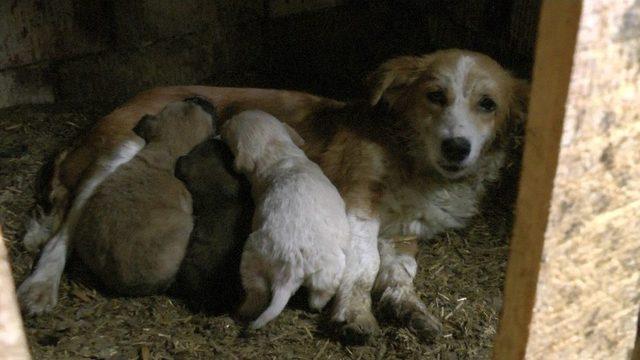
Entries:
{"x":208,"y":170}
{"x":181,"y":125}
{"x":450,"y":106}
{"x":253,"y":135}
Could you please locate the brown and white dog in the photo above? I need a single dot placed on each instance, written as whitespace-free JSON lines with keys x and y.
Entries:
{"x":411,"y":162}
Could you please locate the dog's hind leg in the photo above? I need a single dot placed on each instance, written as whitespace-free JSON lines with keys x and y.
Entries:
{"x":44,"y":223}
{"x":39,"y":292}
{"x":38,"y":230}
{"x":394,"y":285}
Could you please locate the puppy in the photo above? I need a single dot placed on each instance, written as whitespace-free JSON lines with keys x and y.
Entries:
{"x":222,"y":208}
{"x":134,"y":230}
{"x":300,"y":230}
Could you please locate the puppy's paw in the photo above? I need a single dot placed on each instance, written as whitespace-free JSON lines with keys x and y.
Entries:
{"x":360,"y":329}
{"x":251,"y":308}
{"x":319,"y":299}
{"x":37,"y":297}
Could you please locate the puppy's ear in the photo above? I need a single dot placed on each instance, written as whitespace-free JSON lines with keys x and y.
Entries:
{"x":297,"y":139}
{"x":243,"y":163}
{"x":393,"y":75}
{"x":146,"y":127}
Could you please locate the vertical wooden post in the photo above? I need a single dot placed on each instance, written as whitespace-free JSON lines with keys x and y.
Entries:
{"x":13,"y":345}
{"x":588,"y":287}
{"x":551,"y":75}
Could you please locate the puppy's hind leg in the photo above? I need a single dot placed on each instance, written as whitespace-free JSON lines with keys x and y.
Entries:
{"x":254,"y":281}
{"x":319,"y":298}
{"x":325,"y":282}
{"x":282,"y":292}
{"x":257,"y":296}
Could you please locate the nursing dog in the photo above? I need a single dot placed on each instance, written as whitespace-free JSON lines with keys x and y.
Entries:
{"x":410,"y":162}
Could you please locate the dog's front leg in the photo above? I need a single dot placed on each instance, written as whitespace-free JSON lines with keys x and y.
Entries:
{"x":394,"y":285}
{"x":39,"y":292}
{"x":353,"y":299}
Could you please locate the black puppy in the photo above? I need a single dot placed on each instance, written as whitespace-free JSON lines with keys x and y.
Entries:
{"x":222,"y":208}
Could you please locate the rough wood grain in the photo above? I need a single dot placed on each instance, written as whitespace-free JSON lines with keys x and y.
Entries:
{"x":13,"y":345}
{"x":588,"y":288}
{"x":551,"y":75}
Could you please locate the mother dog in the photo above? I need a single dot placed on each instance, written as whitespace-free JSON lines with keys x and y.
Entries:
{"x":411,"y":162}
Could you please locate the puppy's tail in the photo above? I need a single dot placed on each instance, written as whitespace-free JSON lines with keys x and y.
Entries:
{"x":281,"y":296}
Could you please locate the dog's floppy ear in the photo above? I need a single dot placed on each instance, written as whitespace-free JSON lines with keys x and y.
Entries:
{"x":297,"y":139}
{"x":393,"y":75}
{"x":514,"y":124}
{"x":519,"y":100}
{"x":146,"y":127}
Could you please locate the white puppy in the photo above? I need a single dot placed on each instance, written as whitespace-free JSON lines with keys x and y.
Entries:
{"x":300,"y":229}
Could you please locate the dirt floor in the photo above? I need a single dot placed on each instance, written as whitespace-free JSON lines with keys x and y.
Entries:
{"x":460,"y":278}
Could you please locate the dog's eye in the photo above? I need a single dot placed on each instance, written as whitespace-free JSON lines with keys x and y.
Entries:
{"x":487,"y":104}
{"x":437,"y":97}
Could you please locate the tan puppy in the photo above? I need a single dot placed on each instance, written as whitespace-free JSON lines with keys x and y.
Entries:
{"x":133,"y":227}
{"x":410,"y":162}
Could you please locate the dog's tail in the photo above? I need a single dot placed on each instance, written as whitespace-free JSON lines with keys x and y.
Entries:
{"x":281,"y":296}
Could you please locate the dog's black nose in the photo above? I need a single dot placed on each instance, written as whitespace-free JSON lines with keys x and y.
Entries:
{"x":455,"y":149}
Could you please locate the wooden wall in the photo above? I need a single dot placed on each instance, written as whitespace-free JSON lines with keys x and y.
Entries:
{"x":107,"y":50}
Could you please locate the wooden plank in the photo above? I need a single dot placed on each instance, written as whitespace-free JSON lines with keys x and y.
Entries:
{"x":13,"y":345}
{"x":554,"y":53}
{"x":589,"y":285}
{"x":586,"y":302}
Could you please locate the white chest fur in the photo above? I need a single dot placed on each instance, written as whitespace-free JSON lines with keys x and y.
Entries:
{"x":425,"y":207}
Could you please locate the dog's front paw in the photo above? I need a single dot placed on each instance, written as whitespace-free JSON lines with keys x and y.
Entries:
{"x":402,"y":305}
{"x":426,"y":326}
{"x":37,"y":297}
{"x":360,"y":329}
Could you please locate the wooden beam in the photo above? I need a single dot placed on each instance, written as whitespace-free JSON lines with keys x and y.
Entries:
{"x":13,"y":344}
{"x":588,"y":287}
{"x":551,"y":75}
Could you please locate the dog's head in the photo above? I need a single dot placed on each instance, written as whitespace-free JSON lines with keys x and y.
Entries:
{"x":181,"y":124}
{"x":450,"y":106}
{"x":255,"y":135}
